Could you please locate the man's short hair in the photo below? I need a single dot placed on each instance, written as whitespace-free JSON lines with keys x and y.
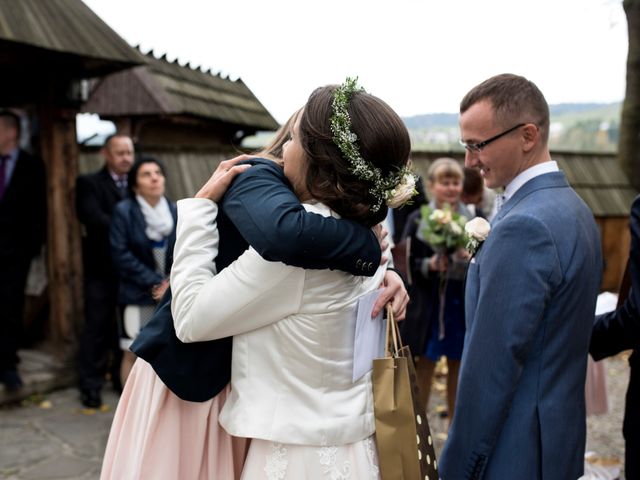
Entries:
{"x":514,"y":99}
{"x":11,"y":120}
{"x":107,"y":140}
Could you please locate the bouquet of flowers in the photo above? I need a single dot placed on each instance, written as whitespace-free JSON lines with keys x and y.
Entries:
{"x":443,"y":228}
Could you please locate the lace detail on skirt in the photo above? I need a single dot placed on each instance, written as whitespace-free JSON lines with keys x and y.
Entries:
{"x":327,"y":457}
{"x":276,"y":465}
{"x":372,"y":456}
{"x":354,"y":461}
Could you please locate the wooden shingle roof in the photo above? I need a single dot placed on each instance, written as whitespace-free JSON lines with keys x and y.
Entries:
{"x":65,"y":29}
{"x":599,"y":180}
{"x":167,"y":88}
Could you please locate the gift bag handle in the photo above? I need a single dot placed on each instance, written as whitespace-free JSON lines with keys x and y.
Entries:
{"x":387,"y":337}
{"x":393,"y":339}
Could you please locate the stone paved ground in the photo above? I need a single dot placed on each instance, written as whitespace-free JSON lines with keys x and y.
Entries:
{"x":605,"y":431}
{"x":52,"y":437}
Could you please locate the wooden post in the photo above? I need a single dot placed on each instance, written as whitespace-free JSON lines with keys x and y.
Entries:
{"x":60,"y":154}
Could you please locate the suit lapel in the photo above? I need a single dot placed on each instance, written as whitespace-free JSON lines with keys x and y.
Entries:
{"x":547,"y":180}
{"x":139,"y":228}
{"x":138,"y":217}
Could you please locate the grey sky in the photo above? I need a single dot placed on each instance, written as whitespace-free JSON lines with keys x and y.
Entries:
{"x":420,"y":56}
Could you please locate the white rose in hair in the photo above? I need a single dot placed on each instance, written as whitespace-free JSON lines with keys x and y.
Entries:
{"x":403,"y":192}
{"x":478,"y":229}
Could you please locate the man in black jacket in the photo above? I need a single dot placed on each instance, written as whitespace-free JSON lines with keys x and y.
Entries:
{"x":22,"y":232}
{"x":96,"y":196}
{"x":620,"y":330}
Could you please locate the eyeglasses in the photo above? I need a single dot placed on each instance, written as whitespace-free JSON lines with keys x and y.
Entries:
{"x":477,"y":147}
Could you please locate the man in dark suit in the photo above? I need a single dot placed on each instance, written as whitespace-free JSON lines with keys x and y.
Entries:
{"x":22,"y":231}
{"x":96,"y":196}
{"x":620,"y":330}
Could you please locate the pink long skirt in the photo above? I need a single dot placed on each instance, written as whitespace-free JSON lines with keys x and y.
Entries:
{"x":596,"y":399}
{"x":156,"y":435}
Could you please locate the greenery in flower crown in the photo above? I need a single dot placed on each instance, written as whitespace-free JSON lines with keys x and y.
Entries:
{"x":384,"y":188}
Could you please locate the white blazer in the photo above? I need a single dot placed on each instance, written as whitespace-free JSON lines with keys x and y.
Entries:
{"x":293,"y":333}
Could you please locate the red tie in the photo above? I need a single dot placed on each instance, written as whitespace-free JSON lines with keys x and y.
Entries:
{"x":3,"y":175}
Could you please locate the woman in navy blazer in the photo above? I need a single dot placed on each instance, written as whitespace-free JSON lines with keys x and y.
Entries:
{"x":142,"y":234}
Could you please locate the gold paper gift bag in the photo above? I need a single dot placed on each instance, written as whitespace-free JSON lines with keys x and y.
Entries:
{"x":405,"y":446}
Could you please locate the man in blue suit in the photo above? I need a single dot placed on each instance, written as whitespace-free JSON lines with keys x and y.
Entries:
{"x":530,"y":296}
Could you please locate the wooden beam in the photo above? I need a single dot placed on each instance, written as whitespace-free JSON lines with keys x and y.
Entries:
{"x":60,"y":154}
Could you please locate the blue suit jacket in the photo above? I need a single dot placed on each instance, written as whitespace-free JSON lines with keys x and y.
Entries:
{"x":259,"y":209}
{"x":530,"y":298}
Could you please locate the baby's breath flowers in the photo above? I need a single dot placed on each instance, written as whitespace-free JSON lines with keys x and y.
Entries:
{"x":394,"y":189}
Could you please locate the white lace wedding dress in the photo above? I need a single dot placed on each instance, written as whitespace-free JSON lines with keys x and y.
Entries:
{"x":275,"y":461}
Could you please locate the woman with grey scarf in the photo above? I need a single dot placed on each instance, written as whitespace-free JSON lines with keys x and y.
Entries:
{"x":142,"y":236}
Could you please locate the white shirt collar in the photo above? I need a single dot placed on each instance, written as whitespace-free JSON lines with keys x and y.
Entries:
{"x":530,"y":173}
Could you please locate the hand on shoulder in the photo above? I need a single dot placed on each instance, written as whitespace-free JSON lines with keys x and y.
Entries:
{"x":217,"y":185}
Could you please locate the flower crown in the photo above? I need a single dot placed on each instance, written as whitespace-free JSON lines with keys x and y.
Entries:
{"x":395,"y":189}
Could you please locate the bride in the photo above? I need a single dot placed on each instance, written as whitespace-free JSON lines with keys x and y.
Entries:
{"x":293,"y":329}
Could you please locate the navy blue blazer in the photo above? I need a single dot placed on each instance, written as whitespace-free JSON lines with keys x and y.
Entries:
{"x":260,"y":209}
{"x":132,"y":253}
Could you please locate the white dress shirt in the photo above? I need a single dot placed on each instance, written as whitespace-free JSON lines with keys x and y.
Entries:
{"x":528,"y":174}
{"x":293,"y":333}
